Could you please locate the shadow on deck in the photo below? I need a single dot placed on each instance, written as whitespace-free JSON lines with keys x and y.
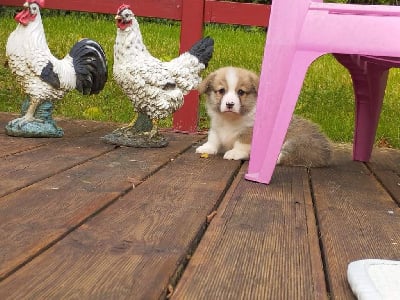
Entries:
{"x":83,"y":219}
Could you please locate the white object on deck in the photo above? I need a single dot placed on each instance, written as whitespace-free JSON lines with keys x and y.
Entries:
{"x":375,"y":279}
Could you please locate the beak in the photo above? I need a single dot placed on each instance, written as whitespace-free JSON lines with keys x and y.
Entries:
{"x":118,"y":17}
{"x":26,"y":5}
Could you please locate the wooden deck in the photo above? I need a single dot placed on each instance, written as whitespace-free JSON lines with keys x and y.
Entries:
{"x":86,"y":220}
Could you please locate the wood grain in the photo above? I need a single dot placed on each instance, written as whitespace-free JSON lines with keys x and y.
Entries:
{"x":385,"y":164}
{"x":358,"y":219}
{"x":28,"y":167}
{"x":258,"y":245}
{"x":132,"y":248}
{"x":36,"y":216}
{"x":72,"y":128}
{"x":82,"y":219}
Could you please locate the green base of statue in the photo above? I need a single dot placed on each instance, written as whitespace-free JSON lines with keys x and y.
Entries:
{"x":43,"y":126}
{"x":140,"y":135}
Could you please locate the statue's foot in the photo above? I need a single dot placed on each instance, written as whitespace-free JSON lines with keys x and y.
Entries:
{"x":131,"y":137}
{"x":33,"y":127}
{"x":26,"y":119}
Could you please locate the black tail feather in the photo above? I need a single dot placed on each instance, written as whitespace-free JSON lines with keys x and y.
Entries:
{"x":90,"y":66}
{"x":203,"y":50}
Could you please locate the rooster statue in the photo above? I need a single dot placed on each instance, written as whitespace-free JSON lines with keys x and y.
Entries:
{"x":155,"y":88}
{"x":43,"y":77}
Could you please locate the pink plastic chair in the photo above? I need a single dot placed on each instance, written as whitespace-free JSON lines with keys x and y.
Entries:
{"x":364,"y":38}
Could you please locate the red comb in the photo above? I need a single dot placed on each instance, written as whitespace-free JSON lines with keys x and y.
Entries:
{"x":40,"y":2}
{"x":122,"y":7}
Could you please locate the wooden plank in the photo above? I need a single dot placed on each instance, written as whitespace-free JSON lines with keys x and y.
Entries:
{"x":23,"y":169}
{"x":11,"y":145}
{"x":262,"y":244}
{"x":216,"y":11}
{"x":35,"y":217}
{"x":225,"y":12}
{"x":133,"y":247}
{"x":340,"y":159}
{"x":75,"y":128}
{"x":357,"y":219}
{"x":72,"y":128}
{"x":168,"y":9}
{"x":385,"y":164}
{"x":385,"y":159}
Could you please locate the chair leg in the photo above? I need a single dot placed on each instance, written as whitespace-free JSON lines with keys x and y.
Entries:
{"x":280,"y":85}
{"x":369,"y":83}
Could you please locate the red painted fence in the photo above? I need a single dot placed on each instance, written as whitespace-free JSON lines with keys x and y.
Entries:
{"x":192,"y":14}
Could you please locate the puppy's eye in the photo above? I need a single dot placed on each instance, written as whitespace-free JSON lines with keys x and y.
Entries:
{"x":241,"y":92}
{"x":221,"y":91}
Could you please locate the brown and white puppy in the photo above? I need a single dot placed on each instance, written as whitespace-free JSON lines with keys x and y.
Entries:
{"x":231,"y":98}
{"x":231,"y":95}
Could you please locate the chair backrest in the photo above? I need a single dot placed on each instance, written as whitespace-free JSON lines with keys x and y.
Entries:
{"x":350,"y":28}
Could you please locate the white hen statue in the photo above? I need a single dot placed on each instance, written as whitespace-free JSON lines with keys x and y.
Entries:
{"x":43,"y":77}
{"x":155,"y":88}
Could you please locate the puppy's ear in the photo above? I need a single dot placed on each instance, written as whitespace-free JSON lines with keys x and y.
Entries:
{"x":205,"y":86}
{"x":255,"y":81}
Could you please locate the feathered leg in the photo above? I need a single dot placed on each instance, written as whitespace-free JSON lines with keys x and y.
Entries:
{"x":130,"y":125}
{"x":36,"y":121}
{"x":154,"y":129}
{"x":30,"y":113}
{"x":142,"y":133}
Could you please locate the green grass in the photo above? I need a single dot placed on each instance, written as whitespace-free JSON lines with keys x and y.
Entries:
{"x":326,"y":96}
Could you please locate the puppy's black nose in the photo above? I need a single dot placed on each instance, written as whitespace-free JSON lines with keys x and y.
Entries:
{"x":230,"y":105}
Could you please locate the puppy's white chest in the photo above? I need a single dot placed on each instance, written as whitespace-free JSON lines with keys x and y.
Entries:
{"x":228,"y":134}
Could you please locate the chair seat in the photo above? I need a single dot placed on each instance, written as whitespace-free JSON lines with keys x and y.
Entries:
{"x":385,"y":61}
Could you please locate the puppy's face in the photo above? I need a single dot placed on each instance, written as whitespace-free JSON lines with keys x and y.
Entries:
{"x":230,"y":90}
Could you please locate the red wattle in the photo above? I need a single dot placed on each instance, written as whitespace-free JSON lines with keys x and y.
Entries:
{"x":121,"y":25}
{"x":24,"y":17}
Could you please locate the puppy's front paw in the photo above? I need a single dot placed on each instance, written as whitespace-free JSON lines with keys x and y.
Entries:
{"x":207,"y":148}
{"x":236,"y":154}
